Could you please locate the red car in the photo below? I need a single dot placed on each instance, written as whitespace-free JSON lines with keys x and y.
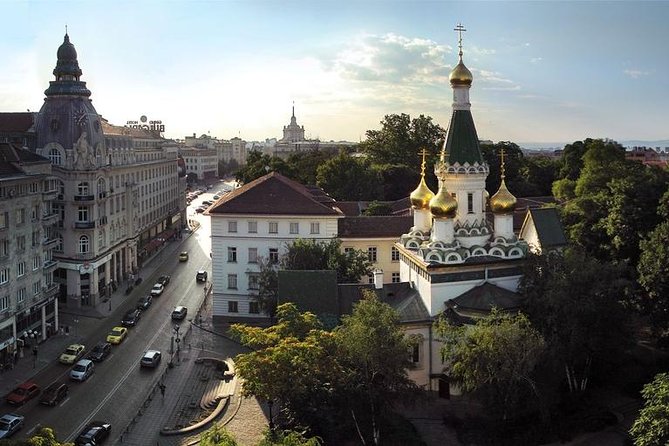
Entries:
{"x":23,"y":393}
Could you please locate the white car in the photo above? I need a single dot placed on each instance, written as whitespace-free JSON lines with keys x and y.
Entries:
{"x":157,"y":289}
{"x":9,"y":424}
{"x":82,"y":370}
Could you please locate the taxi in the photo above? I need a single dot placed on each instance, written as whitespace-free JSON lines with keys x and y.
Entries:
{"x":117,"y":335}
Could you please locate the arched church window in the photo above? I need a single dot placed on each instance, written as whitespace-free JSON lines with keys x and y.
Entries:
{"x":55,"y":157}
{"x":84,"y":244}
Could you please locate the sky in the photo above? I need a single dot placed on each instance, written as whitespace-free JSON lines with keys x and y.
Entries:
{"x":544,"y":71}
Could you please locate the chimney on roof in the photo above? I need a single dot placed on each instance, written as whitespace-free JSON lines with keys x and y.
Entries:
{"x":378,"y":279}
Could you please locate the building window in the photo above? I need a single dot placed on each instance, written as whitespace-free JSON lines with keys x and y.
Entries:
{"x":470,"y":203}
{"x":315,"y":228}
{"x":348,"y":249}
{"x":253,"y":255}
{"x":35,"y":238}
{"x":4,"y":247}
{"x":59,"y":244}
{"x":82,"y":189}
{"x":21,"y":269}
{"x":414,"y":354}
{"x":232,"y":281}
{"x":37,"y":287}
{"x":84,"y":244}
{"x":232,"y":306}
{"x":232,"y":226}
{"x":395,"y":278}
{"x":4,"y":275}
{"x":370,"y":278}
{"x":232,"y":254}
{"x":294,"y":227}
{"x":273,"y":256}
{"x":21,"y":243}
{"x":273,"y":227}
{"x":20,"y":296}
{"x":254,"y":307}
{"x":20,"y":216}
{"x":253,"y":227}
{"x":82,"y":214}
{"x":3,"y":220}
{"x":55,"y":157}
{"x":395,"y":254}
{"x":254,"y":281}
{"x":37,"y":262}
{"x":371,"y":253}
{"x":4,"y":303}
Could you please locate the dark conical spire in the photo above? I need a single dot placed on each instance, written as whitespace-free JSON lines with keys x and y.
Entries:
{"x":67,"y":72}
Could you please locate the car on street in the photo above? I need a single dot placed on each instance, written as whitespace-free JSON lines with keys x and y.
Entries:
{"x":157,"y":289}
{"x":201,"y":276}
{"x":207,"y":202}
{"x":95,"y":433}
{"x":54,"y":394}
{"x":117,"y":335}
{"x":144,"y":302}
{"x":131,"y":318}
{"x":10,"y":423}
{"x":101,"y":350}
{"x":23,"y":393}
{"x":200,"y":209}
{"x":164,"y":280}
{"x":183,"y":256}
{"x":82,"y":370}
{"x":217,"y":196}
{"x":151,"y":358}
{"x":72,"y":354}
{"x":179,"y":313}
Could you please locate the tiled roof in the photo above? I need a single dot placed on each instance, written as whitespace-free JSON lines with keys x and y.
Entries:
{"x":16,"y":122}
{"x":401,"y":296}
{"x":356,"y":208}
{"x":462,"y":142}
{"x":272,"y":194}
{"x":11,"y":156}
{"x":484,"y":297}
{"x":548,"y":225}
{"x":379,"y":226}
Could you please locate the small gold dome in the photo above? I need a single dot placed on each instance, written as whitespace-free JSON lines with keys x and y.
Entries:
{"x":503,"y":201}
{"x":460,"y":75}
{"x":443,"y":205}
{"x":420,"y":198}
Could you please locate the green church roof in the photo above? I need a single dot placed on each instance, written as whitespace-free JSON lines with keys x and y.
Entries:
{"x":462,"y":142}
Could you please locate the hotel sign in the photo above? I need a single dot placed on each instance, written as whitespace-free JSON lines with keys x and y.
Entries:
{"x":145,"y":124}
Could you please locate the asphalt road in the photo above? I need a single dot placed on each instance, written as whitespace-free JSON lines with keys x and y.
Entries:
{"x":118,"y":388}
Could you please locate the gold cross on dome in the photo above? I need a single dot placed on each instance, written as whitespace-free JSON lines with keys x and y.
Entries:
{"x":423,"y":152}
{"x":460,"y":29}
{"x":501,"y":154}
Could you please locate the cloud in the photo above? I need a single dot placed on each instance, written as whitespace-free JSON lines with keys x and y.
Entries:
{"x":480,"y":51}
{"x":393,"y":59}
{"x":636,"y":74}
{"x":536,"y":59}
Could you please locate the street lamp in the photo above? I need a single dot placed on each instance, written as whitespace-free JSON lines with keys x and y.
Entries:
{"x":177,"y":340}
{"x":32,"y":335}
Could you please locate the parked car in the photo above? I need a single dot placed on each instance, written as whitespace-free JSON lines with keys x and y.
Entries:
{"x":157,"y":289}
{"x":201,"y":276}
{"x":151,"y":358}
{"x":179,"y":313}
{"x":207,"y":202}
{"x":100,"y":351}
{"x":200,"y":209}
{"x":82,"y":370}
{"x":10,"y":423}
{"x":72,"y":354}
{"x":23,"y":393}
{"x":183,"y":256}
{"x":131,"y":318}
{"x":144,"y":302}
{"x":54,"y":394}
{"x":164,"y":280}
{"x":95,"y":433}
{"x":217,"y":196}
{"x":117,"y":334}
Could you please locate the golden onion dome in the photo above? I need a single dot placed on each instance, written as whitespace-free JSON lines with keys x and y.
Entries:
{"x":503,"y":201}
{"x":460,"y":75}
{"x":443,"y":205}
{"x":420,"y":198}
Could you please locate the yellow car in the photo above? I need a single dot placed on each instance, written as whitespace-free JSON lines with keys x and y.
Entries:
{"x":183,"y":256}
{"x":72,"y":354}
{"x":117,"y":335}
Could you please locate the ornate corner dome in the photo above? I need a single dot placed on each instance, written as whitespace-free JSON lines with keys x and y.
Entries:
{"x":503,"y":201}
{"x":460,"y":75}
{"x":443,"y":205}
{"x":67,"y":73}
{"x":421,"y":196}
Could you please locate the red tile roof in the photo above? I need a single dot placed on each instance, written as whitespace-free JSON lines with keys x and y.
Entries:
{"x":16,"y":122}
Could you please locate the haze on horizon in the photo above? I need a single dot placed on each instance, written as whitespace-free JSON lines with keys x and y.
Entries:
{"x":543,"y":71}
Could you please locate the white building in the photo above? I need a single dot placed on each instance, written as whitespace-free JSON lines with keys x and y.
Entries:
{"x":203,"y":163}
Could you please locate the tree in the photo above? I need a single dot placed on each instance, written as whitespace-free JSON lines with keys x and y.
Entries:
{"x":44,"y":436}
{"x":348,"y":178}
{"x":309,"y":254}
{"x":401,"y":138}
{"x":268,"y":286}
{"x":377,"y":208}
{"x":373,"y":353}
{"x":217,"y":436}
{"x":258,"y":165}
{"x":653,"y":272}
{"x":397,"y":181}
{"x":651,"y":428}
{"x":305,"y":164}
{"x":574,"y":301}
{"x":496,"y":358}
{"x":288,"y":438}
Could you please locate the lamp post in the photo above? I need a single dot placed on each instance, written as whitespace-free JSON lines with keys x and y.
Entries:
{"x":177,"y":340}
{"x":32,"y":335}
{"x":109,"y":295}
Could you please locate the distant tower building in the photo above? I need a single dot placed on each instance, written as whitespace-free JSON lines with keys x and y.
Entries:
{"x":292,"y":132}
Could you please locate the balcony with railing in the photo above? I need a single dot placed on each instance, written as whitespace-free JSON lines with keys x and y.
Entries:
{"x":50,"y":289}
{"x":50,"y":219}
{"x":47,"y":242}
{"x":84,"y":197}
{"x":48,"y":195}
{"x":49,"y":265}
{"x":84,"y":225}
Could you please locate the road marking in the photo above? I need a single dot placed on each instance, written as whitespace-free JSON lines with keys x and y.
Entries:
{"x":33,"y":429}
{"x":64,"y":401}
